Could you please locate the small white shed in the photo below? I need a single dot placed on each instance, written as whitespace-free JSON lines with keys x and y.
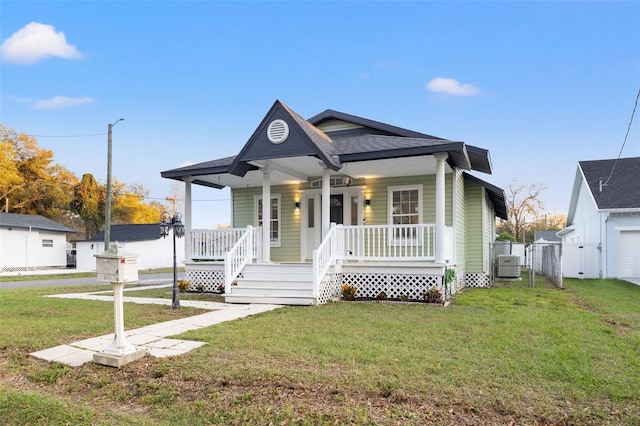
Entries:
{"x":31,"y":242}
{"x":144,"y":240}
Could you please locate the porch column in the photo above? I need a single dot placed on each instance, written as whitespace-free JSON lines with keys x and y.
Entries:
{"x":326,"y":195}
{"x":187,"y":219}
{"x":441,"y":157}
{"x":266,"y":215}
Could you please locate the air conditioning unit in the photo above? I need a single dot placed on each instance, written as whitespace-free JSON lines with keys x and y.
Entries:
{"x":508,"y":266}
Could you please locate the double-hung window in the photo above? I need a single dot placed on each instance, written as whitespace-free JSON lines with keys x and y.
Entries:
{"x":405,"y":210}
{"x":274,"y":226}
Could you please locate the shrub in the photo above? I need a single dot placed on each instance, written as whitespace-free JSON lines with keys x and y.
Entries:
{"x":184,"y":285}
{"x":432,"y":295}
{"x":348,"y":292}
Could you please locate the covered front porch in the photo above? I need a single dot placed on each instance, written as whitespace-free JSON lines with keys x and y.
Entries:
{"x":397,"y":260}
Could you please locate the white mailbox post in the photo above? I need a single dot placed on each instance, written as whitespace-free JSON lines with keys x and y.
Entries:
{"x":117,"y":267}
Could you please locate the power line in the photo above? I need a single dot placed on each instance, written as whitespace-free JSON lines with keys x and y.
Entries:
{"x":13,"y":132}
{"x":623,"y":143}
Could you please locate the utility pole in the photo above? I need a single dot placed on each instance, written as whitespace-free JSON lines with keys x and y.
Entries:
{"x":107,"y":216}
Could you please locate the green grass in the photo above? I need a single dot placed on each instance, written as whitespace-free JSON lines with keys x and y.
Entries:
{"x":506,"y":355}
{"x":71,"y":274}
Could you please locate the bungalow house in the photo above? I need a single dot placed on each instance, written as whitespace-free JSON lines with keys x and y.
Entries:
{"x":351,"y":201}
{"x":31,"y":242}
{"x":144,"y":240}
{"x":602,"y":235}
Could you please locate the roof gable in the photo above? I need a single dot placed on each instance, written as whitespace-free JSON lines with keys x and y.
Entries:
{"x":622,"y":191}
{"x":303,"y":139}
{"x":33,"y":221}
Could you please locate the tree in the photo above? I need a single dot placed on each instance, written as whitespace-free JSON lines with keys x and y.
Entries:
{"x":129,"y":206}
{"x":31,"y":183}
{"x":89,"y":203}
{"x":523,"y":207}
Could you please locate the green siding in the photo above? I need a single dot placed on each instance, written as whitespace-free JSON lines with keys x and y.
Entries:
{"x":376,"y":191}
{"x":243,"y":215}
{"x":475,"y":202}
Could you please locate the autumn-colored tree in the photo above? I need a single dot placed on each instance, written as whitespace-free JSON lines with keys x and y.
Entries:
{"x":129,"y":207}
{"x":89,"y":203}
{"x":31,"y":183}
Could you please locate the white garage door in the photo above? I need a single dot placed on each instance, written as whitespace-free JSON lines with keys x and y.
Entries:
{"x":629,"y":254}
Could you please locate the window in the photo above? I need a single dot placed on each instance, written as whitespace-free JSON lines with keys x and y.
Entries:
{"x":405,"y":208}
{"x":47,"y":243}
{"x":275,"y":217}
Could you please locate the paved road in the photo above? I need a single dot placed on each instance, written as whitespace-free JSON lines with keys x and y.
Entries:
{"x":144,"y":279}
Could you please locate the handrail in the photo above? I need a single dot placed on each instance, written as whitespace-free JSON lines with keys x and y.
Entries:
{"x":325,"y":256}
{"x":237,"y":257}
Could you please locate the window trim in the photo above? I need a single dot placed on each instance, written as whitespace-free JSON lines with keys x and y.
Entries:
{"x":276,"y":242}
{"x":47,"y":242}
{"x":392,"y":239}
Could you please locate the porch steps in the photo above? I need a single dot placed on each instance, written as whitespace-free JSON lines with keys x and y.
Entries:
{"x":277,"y":283}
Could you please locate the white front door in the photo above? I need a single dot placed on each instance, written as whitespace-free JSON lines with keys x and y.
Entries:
{"x":345,"y":207}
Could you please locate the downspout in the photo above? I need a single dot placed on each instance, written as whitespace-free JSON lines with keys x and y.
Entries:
{"x":604,"y":248}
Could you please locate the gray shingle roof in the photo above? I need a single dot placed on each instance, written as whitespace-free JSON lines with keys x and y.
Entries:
{"x":134,"y":232}
{"x":622,"y":191}
{"x":25,"y":221}
{"x":374,"y":140}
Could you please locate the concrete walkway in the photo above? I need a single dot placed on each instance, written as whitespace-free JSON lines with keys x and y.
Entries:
{"x":152,"y":338}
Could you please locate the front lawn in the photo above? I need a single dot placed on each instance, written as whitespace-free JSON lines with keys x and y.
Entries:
{"x":505,"y":355}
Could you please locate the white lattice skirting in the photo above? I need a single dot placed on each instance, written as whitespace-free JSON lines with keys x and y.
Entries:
{"x":477,"y":280}
{"x":31,"y":268}
{"x":208,"y":277}
{"x":393,"y":285}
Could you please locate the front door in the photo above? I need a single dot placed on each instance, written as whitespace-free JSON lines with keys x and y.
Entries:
{"x":344,"y":208}
{"x":336,"y":209}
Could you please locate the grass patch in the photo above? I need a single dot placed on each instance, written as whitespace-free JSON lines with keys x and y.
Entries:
{"x":32,"y":322}
{"x":506,"y":355}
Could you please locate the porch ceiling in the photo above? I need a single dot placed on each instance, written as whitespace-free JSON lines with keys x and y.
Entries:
{"x":300,"y":169}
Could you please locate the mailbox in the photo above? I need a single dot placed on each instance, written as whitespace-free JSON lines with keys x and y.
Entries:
{"x":116,"y":266}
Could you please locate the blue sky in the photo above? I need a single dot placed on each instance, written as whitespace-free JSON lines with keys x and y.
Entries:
{"x":542,"y":85}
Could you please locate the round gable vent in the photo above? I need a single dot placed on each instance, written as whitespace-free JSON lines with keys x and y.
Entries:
{"x":278,"y":131}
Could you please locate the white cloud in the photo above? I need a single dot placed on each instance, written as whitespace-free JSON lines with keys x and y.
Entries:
{"x":452,"y":87}
{"x":59,"y":102}
{"x":34,"y":42}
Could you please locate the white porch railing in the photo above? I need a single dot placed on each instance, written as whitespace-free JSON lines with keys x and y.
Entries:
{"x":326,"y":255}
{"x":389,"y":242}
{"x":213,"y":244}
{"x":247,"y":248}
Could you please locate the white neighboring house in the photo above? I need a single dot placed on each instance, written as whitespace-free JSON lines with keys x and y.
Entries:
{"x":602,"y":236}
{"x":144,"y":240}
{"x":31,"y":242}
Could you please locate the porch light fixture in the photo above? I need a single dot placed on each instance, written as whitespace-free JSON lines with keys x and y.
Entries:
{"x":367,"y":202}
{"x":297,"y":204}
{"x":168,"y":222}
